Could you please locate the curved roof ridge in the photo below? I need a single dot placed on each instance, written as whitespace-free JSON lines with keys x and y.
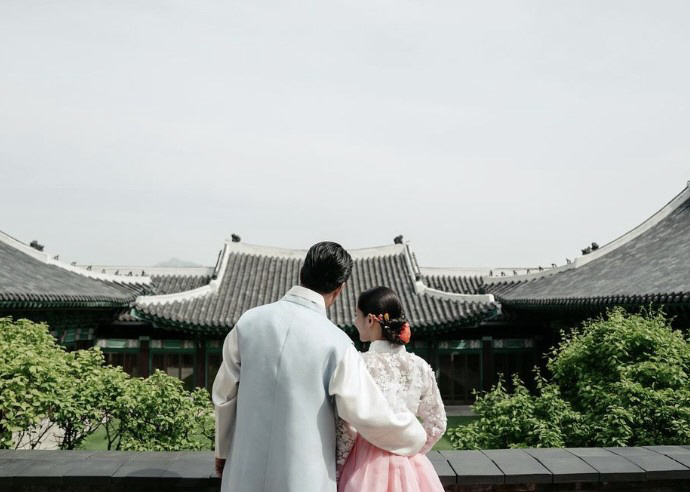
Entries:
{"x":356,"y":253}
{"x":609,"y":247}
{"x":149,"y":270}
{"x":424,"y":289}
{"x":219,"y":271}
{"x":49,"y":260}
{"x":657,"y":217}
{"x":186,"y":295}
{"x":476,"y":271}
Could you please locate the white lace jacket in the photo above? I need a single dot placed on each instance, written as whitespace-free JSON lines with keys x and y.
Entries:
{"x":408,"y":383}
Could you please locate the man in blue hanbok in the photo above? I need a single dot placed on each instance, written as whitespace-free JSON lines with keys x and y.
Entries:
{"x":286,"y":371}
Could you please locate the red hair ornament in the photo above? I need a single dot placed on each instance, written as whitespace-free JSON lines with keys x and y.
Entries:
{"x":405,"y":333}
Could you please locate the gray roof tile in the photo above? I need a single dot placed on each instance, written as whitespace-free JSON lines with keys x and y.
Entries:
{"x":651,"y":264}
{"x":252,"y":276}
{"x":27,"y":279}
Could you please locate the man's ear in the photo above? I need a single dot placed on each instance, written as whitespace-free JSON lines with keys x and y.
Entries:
{"x":337,"y":291}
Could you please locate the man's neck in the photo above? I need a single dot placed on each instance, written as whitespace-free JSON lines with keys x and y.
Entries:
{"x":328,"y":298}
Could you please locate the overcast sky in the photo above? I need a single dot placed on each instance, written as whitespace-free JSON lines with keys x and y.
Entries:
{"x":488,"y":133}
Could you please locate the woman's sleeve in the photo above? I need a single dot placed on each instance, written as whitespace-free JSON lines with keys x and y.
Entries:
{"x":360,"y":402}
{"x":431,"y":410}
{"x":345,"y":440}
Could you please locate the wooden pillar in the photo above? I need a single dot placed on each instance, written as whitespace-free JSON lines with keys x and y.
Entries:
{"x":143,"y":358}
{"x":200,"y":366}
{"x":488,"y":375}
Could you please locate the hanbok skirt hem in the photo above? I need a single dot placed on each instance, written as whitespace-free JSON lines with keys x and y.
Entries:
{"x":371,"y":469}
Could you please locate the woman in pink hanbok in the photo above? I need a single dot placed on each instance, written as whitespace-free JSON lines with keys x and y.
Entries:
{"x":409,"y":384}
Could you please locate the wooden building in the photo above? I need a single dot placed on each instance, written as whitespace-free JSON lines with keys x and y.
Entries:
{"x":648,"y":266}
{"x":246,"y":276}
{"x":470,"y":324}
{"x":75,"y":302}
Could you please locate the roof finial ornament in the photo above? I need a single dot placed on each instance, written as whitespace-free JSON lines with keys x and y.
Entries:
{"x":553,"y":265}
{"x":591,"y":248}
{"x":34,"y":244}
{"x":567,"y":260}
{"x":398,"y":239}
{"x":235,"y":238}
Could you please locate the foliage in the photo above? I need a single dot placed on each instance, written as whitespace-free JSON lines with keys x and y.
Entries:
{"x":43,"y":388}
{"x":158,"y":414}
{"x":32,"y":377}
{"x":79,"y":409}
{"x":630,"y":376}
{"x":622,"y":380}
{"x":519,"y":419}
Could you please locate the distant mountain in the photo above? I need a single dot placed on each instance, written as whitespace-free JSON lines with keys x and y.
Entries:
{"x":176,"y":262}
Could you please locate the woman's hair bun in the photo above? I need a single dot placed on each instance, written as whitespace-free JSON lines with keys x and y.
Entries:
{"x":384,"y":304}
{"x":393,"y":329}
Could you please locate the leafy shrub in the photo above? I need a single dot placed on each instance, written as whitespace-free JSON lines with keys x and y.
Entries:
{"x":43,"y":387}
{"x":623,"y":380}
{"x":33,"y":373}
{"x":158,"y":414}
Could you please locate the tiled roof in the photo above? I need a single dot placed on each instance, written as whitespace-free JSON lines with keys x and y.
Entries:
{"x":249,"y":276}
{"x":474,"y":280}
{"x":500,"y":287}
{"x":650,"y":264}
{"x":31,"y":278}
{"x":162,"y":281}
{"x":460,"y":284}
{"x":178,"y":282}
{"x":158,"y":280}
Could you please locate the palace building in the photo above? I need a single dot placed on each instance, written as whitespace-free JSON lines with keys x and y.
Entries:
{"x":469,"y":323}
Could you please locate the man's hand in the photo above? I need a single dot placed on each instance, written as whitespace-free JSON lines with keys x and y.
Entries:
{"x":220,"y":464}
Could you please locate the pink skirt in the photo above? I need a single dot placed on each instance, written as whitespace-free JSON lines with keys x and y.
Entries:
{"x":371,"y":469}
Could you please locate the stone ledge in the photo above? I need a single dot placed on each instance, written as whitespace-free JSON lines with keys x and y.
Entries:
{"x":644,"y":468}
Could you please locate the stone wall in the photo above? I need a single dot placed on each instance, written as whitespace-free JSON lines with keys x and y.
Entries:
{"x":653,"y":468}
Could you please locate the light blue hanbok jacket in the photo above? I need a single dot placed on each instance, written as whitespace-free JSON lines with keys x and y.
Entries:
{"x":285,"y":367}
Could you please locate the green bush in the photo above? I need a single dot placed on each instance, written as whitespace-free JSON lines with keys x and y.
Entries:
{"x":622,"y":380}
{"x":158,"y":414}
{"x":33,"y":375}
{"x":44,"y":387}
{"x":78,"y":410}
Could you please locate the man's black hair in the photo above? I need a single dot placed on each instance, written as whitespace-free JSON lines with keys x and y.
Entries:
{"x":326,"y":267}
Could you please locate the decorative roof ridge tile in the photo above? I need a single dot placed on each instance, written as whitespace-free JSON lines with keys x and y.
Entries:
{"x":150,"y":271}
{"x":582,"y":260}
{"x":475,"y":271}
{"x":357,"y":253}
{"x":49,"y":260}
{"x":524,"y":277}
{"x":657,"y":217}
{"x":423,"y":289}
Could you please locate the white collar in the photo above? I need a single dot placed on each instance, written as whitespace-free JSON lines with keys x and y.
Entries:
{"x":385,"y":347}
{"x":308,"y":294}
